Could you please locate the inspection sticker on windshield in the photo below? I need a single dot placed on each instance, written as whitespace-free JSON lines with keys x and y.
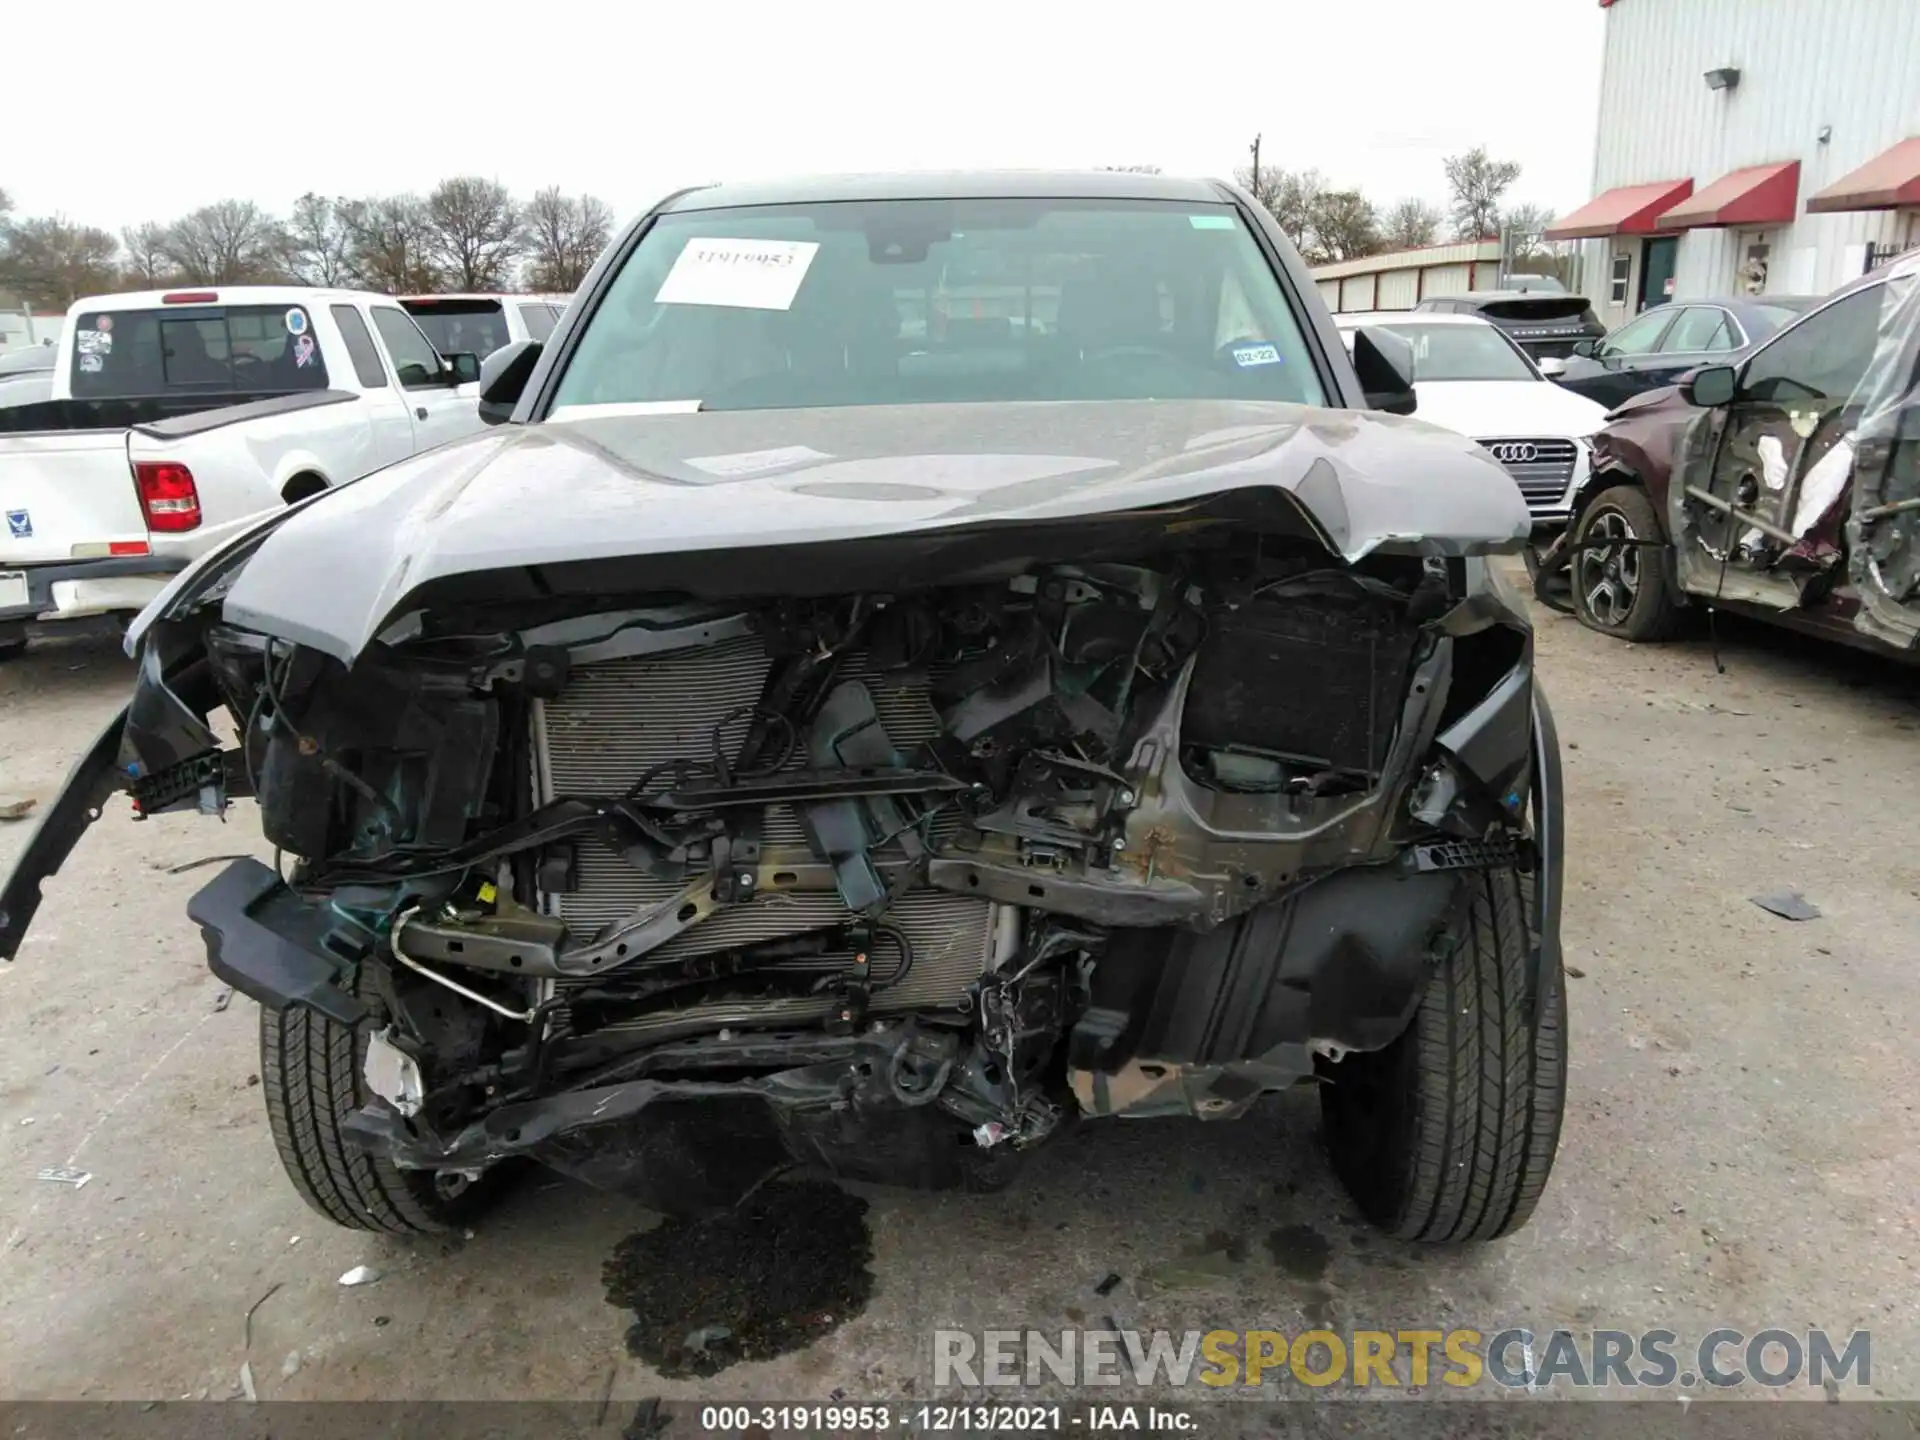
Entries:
{"x":1210,"y":222}
{"x":745,"y":274}
{"x":1245,"y":355}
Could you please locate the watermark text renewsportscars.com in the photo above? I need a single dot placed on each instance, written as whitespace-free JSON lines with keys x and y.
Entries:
{"x":1512,"y":1359}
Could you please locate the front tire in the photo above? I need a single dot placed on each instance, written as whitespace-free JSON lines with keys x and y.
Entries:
{"x":1449,"y":1133}
{"x":1619,"y":585}
{"x":310,"y":1075}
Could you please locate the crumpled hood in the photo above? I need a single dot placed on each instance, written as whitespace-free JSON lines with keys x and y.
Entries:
{"x":608,"y":483}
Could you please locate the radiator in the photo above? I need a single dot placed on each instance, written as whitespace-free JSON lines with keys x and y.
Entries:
{"x":619,"y":718}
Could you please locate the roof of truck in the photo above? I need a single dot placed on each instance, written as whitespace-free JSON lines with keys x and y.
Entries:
{"x":219,"y":295}
{"x":955,"y":185}
{"x":501,"y":295}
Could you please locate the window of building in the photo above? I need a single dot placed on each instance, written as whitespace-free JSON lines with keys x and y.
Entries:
{"x":1752,"y":262}
{"x":1622,"y":273}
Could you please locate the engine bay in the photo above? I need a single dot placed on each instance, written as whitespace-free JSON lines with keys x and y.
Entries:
{"x":850,"y":868}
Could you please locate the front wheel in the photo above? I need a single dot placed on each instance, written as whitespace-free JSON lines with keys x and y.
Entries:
{"x":310,"y":1075}
{"x":1449,"y":1133}
{"x":1619,"y":585}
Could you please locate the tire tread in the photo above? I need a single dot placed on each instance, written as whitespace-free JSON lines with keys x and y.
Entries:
{"x":1478,"y":1087}
{"x":309,"y":1075}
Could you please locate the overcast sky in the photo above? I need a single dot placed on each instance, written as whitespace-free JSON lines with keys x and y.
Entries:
{"x":135,"y":111}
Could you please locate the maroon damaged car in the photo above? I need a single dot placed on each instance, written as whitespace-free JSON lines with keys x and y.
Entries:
{"x":1777,"y":488}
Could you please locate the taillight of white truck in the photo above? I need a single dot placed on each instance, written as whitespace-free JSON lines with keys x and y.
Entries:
{"x":168,"y":495}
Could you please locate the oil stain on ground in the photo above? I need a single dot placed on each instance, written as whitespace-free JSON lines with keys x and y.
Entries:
{"x":1300,"y":1251}
{"x":774,"y":1274}
{"x":1211,"y":1261}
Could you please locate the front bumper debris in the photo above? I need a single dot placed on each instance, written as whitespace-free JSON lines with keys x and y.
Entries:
{"x":268,"y":944}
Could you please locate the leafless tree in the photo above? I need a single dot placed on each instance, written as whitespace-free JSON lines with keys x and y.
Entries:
{"x":474,"y":231}
{"x":1477,"y":184}
{"x":564,"y":236}
{"x":230,"y":242}
{"x":1409,"y":224}
{"x":319,"y":246}
{"x":1343,"y":225}
{"x":390,"y":244}
{"x":1526,"y":248}
{"x":146,"y":265}
{"x":1525,"y":223}
{"x":1289,"y":196}
{"x":49,"y":261}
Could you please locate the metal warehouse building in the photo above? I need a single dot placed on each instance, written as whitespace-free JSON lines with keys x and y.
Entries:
{"x":1406,"y":277}
{"x":1750,"y":147}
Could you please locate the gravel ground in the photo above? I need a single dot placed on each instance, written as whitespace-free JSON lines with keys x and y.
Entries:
{"x":1738,"y":1148}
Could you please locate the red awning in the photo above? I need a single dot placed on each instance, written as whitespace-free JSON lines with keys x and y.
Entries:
{"x":1757,"y":195}
{"x":1889,"y":181}
{"x":1623,"y":210}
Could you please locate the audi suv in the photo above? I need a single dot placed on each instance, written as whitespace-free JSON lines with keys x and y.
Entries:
{"x":1471,"y":377}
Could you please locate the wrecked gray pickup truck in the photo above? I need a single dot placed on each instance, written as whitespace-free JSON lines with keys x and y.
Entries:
{"x":914,"y":662}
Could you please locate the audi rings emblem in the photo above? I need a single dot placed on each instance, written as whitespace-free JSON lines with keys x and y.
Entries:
{"x":1515,"y":452}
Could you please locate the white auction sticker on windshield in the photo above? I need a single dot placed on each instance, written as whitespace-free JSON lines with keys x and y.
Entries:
{"x":744,"y":274}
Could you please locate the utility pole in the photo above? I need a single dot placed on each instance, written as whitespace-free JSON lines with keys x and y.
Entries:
{"x":1255,"y":147}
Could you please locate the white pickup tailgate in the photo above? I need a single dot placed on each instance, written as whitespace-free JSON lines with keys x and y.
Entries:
{"x":66,"y":489}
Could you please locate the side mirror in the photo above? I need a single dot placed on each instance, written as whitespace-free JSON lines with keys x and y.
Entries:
{"x":1384,"y":363}
{"x":1710,"y":386}
{"x":1584,"y":349}
{"x":1551,"y":365}
{"x":465,"y":366}
{"x":503,"y":375}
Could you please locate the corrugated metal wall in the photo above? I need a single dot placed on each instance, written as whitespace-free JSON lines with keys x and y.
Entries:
{"x":1853,"y":65}
{"x":1356,"y":293}
{"x":1329,"y":292}
{"x":1447,"y":280}
{"x":1398,"y":290}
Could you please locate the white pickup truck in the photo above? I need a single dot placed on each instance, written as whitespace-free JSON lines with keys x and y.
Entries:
{"x":176,"y":416}
{"x":481,"y":324}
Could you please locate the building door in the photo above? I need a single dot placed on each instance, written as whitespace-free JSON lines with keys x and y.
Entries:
{"x":1752,"y":261}
{"x":1657,"y":261}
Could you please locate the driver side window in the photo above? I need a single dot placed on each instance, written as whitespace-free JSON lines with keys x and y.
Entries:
{"x":416,"y":364}
{"x":1637,"y":337}
{"x":1824,"y":357}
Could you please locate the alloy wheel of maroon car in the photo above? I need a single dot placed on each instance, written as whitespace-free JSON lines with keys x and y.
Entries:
{"x":1610,"y":578}
{"x":1617,"y":589}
